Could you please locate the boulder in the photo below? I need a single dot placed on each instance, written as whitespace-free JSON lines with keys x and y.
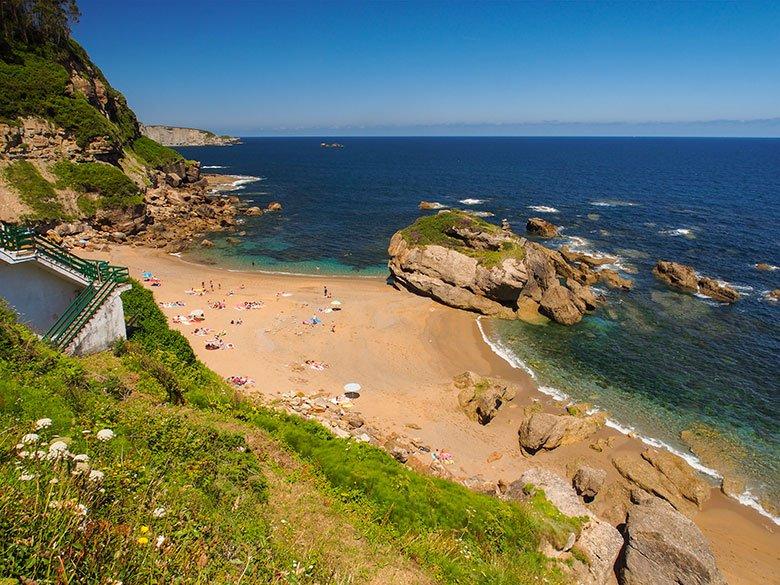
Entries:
{"x":773,"y":295}
{"x":598,"y":540}
{"x":427,"y":205}
{"x":664,"y":475}
{"x":541,"y":228}
{"x":715,"y":290}
{"x":253,"y":211}
{"x":679,"y":276}
{"x":764,"y":266}
{"x":480,"y":398}
{"x":559,"y":304}
{"x":613,"y":280}
{"x":173,"y":179}
{"x":274,"y":206}
{"x":207,"y":243}
{"x":544,"y":431}
{"x":663,"y":547}
{"x":587,"y":481}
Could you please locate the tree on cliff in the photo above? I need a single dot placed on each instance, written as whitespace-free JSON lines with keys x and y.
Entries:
{"x":37,"y":21}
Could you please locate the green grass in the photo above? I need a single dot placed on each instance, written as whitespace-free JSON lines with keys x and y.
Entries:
{"x":115,"y":189}
{"x":35,"y":191}
{"x":432,"y":230}
{"x":155,"y":154}
{"x":192,"y":461}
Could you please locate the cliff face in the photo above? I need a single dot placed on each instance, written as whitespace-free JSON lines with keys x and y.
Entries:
{"x":173,"y":136}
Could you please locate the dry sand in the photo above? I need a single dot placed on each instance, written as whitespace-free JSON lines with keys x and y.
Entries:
{"x":404,"y":351}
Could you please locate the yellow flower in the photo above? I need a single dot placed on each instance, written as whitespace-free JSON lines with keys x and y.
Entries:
{"x":143,"y":540}
{"x":144,"y":529}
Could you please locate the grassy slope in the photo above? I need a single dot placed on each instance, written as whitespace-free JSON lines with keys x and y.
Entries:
{"x":226,"y":471}
{"x":432,"y":230}
{"x":34,"y":191}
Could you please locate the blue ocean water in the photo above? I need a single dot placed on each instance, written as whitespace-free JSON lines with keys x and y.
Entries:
{"x":658,"y":361}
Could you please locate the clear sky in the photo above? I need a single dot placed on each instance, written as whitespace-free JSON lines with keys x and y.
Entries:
{"x":267,"y":68}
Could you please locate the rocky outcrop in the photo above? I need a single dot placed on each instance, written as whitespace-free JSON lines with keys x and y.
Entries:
{"x":588,"y":481}
{"x":174,"y":136}
{"x":428,"y":205}
{"x":773,"y":295}
{"x":536,"y":226}
{"x":663,"y":547}
{"x":37,"y":138}
{"x":467,"y":263}
{"x":666,"y":476}
{"x":598,"y":541}
{"x":480,"y":398}
{"x":684,"y":278}
{"x":613,"y":280}
{"x":544,"y":431}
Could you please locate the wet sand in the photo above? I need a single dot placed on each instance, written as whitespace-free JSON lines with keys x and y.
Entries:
{"x":404,"y":351}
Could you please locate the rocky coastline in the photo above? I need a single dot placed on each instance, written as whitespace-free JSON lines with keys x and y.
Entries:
{"x":176,"y":136}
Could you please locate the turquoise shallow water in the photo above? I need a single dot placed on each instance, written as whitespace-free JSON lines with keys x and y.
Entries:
{"x":658,"y":361}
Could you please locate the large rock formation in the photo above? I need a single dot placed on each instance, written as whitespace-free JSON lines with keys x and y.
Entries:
{"x":598,"y":541}
{"x":480,"y":398}
{"x":468,"y":263}
{"x":173,"y":136}
{"x":544,"y":431}
{"x":684,"y":278}
{"x":663,"y":547}
{"x":537,"y":226}
{"x":666,"y":476}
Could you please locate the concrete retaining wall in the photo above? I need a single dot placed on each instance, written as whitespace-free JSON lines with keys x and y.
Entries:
{"x":105,"y":327}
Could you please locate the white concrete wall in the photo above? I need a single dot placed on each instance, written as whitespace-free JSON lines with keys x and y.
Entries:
{"x":37,"y":294}
{"x":105,"y":327}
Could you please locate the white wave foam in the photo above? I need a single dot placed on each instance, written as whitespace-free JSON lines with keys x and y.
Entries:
{"x":213,"y":167}
{"x":543,"y":209}
{"x":244,"y":180}
{"x":483,"y":213}
{"x":613,"y":203}
{"x":746,"y":498}
{"x":471,"y":201}
{"x":684,"y":232}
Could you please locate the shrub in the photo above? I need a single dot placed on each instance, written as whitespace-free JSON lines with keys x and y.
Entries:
{"x":116,"y":189}
{"x":34,"y":190}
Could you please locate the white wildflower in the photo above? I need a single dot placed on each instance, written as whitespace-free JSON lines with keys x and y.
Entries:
{"x":54,"y":480}
{"x":81,"y":467}
{"x":38,"y":455}
{"x":158,"y":512}
{"x":81,"y":510}
{"x":57,"y":450}
{"x":42,"y":423}
{"x":159,"y":542}
{"x":81,"y":457}
{"x":27,"y":476}
{"x":105,"y":435}
{"x":30,"y":438}
{"x":18,"y":446}
{"x":96,"y":475}
{"x":22,"y":454}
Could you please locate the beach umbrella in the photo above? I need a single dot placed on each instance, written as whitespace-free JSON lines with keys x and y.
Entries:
{"x":147,"y":275}
{"x":352,"y":387}
{"x":336,"y":303}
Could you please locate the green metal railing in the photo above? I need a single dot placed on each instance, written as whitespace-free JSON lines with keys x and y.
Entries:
{"x":103,"y":279}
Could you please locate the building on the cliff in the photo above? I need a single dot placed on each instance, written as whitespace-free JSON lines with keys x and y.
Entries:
{"x":73,"y":303}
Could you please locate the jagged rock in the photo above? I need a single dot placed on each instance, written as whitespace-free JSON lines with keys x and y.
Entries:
{"x":274,"y":206}
{"x":545,"y":431}
{"x":581,"y":257}
{"x":560,"y":304}
{"x":676,"y":275}
{"x":480,"y":398}
{"x":173,"y":179}
{"x":426,"y":205}
{"x":207,"y":243}
{"x":666,"y":476}
{"x":613,"y":280}
{"x":354,"y":420}
{"x":663,"y":547}
{"x":588,"y":481}
{"x":763,"y":266}
{"x":253,"y":211}
{"x":715,"y":290}
{"x":479,"y":484}
{"x":598,"y":541}
{"x":541,"y":227}
{"x":773,"y":295}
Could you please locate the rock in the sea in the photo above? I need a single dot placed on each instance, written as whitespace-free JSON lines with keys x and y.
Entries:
{"x":613,"y":280}
{"x":683,"y":277}
{"x":425,"y":205}
{"x":468,"y":263}
{"x":207,"y":243}
{"x":679,"y":276}
{"x":773,"y":295}
{"x":664,"y":475}
{"x":588,"y":481}
{"x":544,"y":431}
{"x":715,"y":290}
{"x":541,"y":228}
{"x":253,"y":211}
{"x":274,"y":206}
{"x":663,"y":547}
{"x":598,"y":541}
{"x":480,"y":398}
{"x":763,"y":266}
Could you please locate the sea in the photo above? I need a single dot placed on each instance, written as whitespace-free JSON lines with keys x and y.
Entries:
{"x":677,"y":370}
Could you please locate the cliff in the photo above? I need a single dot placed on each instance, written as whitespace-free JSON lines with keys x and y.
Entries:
{"x":173,"y":136}
{"x":71,"y":149}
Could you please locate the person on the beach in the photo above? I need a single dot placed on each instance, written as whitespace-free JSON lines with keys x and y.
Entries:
{"x":325,"y":291}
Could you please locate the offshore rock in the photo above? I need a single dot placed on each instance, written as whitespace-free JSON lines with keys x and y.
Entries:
{"x":715,"y":290}
{"x":541,"y":227}
{"x":613,"y":280}
{"x":683,"y":277}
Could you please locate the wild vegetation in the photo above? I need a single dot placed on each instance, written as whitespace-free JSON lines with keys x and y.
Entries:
{"x":151,"y":468}
{"x":113,"y":188}
{"x":35,"y":191}
{"x":153,"y":153}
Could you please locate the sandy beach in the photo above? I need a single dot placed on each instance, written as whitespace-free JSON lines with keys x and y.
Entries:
{"x":404,"y":351}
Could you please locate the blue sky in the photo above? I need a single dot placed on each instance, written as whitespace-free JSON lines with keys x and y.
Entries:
{"x":266,"y":68}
